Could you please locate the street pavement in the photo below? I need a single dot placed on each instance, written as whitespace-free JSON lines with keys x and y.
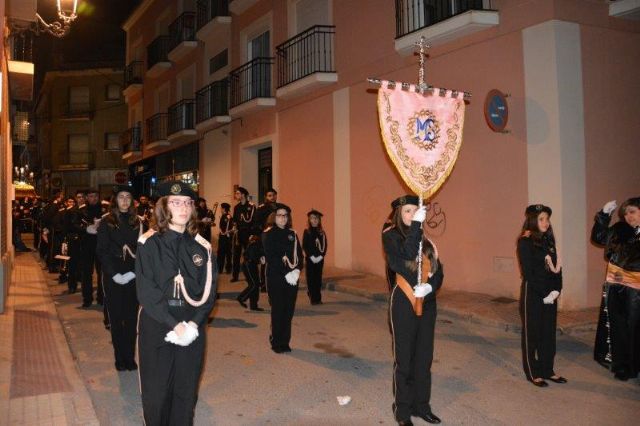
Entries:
{"x":341,"y":348}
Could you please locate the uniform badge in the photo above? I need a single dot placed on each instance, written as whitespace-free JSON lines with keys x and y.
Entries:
{"x":197,"y":260}
{"x":290,"y":237}
{"x":175,"y":189}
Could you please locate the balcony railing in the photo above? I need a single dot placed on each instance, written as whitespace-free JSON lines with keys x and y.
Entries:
{"x":308,"y":52}
{"x":157,"y":51}
{"x":22,"y":46}
{"x":210,"y":9}
{"x":413,"y":15}
{"x":182,"y":29}
{"x":250,"y":81}
{"x":133,"y":73}
{"x":212,"y":101}
{"x":181,"y":116}
{"x":157,"y":128}
{"x":131,"y":139}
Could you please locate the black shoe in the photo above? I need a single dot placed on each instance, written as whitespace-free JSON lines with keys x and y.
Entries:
{"x":86,"y":305}
{"x":120,"y":367}
{"x":428,"y":417}
{"x":540,"y":383}
{"x":132,"y":366}
{"x":557,"y":379}
{"x":242,"y":303}
{"x":621,"y":375}
{"x":287,"y":348}
{"x":255,"y":308}
{"x":316,"y":303}
{"x":233,"y":280}
{"x":278,"y":349}
{"x":405,"y":422}
{"x":107,"y":326}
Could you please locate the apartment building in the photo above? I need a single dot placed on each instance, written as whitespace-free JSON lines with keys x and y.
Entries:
{"x":81,"y":116}
{"x":275,"y":92}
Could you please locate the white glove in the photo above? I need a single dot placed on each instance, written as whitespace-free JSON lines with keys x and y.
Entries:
{"x":190,"y":334}
{"x":292,"y":277}
{"x":92,"y":229}
{"x":421,"y":290}
{"x":610,"y":207}
{"x":128,"y":277}
{"x":263,"y":260}
{"x":420,"y":215}
{"x":555,"y":294}
{"x":118,"y":278}
{"x":315,"y":259}
{"x":551,"y":297}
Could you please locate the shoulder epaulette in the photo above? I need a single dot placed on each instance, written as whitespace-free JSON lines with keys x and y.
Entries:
{"x":388,"y":228}
{"x":267,"y":229}
{"x":260,"y":205}
{"x":106,"y":214}
{"x":144,"y":237}
{"x":203,"y":242}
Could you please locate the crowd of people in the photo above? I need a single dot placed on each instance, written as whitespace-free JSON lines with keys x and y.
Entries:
{"x":157,"y":272}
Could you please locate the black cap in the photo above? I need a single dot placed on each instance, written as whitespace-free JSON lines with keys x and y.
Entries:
{"x":635,"y":201}
{"x":405,"y":199}
{"x":123,"y":188}
{"x":81,"y":191}
{"x":278,"y":206}
{"x":271,"y":190}
{"x":315,"y":212}
{"x":226,"y":206}
{"x":175,"y":187}
{"x":243,"y":191}
{"x":537,"y":209}
{"x":92,"y":191}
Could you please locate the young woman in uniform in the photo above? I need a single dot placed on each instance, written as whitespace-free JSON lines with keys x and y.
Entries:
{"x":541,"y":286}
{"x":412,"y":309}
{"x":176,"y":283}
{"x":314,"y":243}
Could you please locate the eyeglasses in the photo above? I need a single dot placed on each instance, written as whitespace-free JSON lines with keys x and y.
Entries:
{"x":180,"y":203}
{"x":282,"y":215}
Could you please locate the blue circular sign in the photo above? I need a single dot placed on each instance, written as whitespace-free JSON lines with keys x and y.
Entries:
{"x":496,"y":110}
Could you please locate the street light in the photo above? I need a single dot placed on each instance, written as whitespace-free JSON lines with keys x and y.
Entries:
{"x":66,"y":17}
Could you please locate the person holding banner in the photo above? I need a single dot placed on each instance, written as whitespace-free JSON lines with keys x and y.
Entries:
{"x":412,"y":309}
{"x":618,"y":334}
{"x":541,"y":286}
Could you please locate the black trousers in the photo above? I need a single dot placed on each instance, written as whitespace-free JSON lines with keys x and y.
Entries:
{"x":313,"y":272}
{"x":602,"y":347}
{"x":169,"y":374}
{"x":55,"y":244}
{"x":623,"y":304}
{"x":224,"y":254}
{"x":283,"y":304}
{"x":263,"y":277}
{"x":123,"y":312}
{"x":87,"y":264}
{"x":412,"y":353}
{"x":538,"y":334}
{"x":74,"y":263}
{"x":252,"y":292}
{"x":238,"y":249}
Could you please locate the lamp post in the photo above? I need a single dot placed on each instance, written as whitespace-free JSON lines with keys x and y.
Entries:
{"x":66,"y":16}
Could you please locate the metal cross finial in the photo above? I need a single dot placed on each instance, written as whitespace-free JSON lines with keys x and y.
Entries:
{"x":422,"y":44}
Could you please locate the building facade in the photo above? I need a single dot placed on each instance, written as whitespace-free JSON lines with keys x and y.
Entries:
{"x":81,"y":116}
{"x":276,"y":93}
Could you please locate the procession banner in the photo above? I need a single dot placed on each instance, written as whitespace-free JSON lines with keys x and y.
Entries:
{"x":422,"y":134}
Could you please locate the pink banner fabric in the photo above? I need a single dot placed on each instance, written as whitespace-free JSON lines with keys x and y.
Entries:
{"x":422,"y":134}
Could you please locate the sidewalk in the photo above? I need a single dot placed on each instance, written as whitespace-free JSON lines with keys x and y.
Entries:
{"x":476,"y":308}
{"x":39,"y":380}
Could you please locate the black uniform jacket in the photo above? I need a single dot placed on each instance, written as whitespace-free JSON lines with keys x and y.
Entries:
{"x":253,"y":252}
{"x":226,"y":224}
{"x":622,"y":244}
{"x":278,"y":243}
{"x":111,"y":240}
{"x":311,"y":239}
{"x":401,"y":253}
{"x":158,"y":261}
{"x":243,"y":215}
{"x":535,"y":272}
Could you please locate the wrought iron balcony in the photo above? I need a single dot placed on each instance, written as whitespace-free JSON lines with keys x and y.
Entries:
{"x":21,"y":46}
{"x":181,"y":122}
{"x":183,"y":35}
{"x":208,"y":10}
{"x":133,"y":73}
{"x":157,"y":55}
{"x":212,"y":101}
{"x":131,"y":141}
{"x":307,"y":53}
{"x":157,"y":130}
{"x":251,"y":81}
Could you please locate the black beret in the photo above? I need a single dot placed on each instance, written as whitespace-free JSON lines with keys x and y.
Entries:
{"x":405,"y":199}
{"x":123,"y":188}
{"x":635,"y":201}
{"x":537,"y":209}
{"x":92,"y":191}
{"x":81,"y":191}
{"x":243,"y":190}
{"x":278,"y":206}
{"x":271,"y":190}
{"x":315,"y":212}
{"x":176,"y":188}
{"x":225,"y":206}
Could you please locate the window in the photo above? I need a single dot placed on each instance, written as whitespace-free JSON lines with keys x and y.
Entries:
{"x":79,"y":99}
{"x":310,"y":13}
{"x":219,"y":61}
{"x":111,"y":142}
{"x":78,"y":152}
{"x":113,"y":92}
